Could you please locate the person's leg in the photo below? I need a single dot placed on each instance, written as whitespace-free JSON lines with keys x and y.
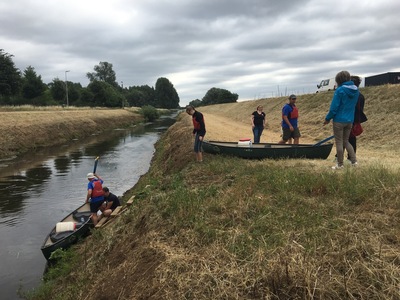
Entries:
{"x":260,"y":131}
{"x":338,"y":133}
{"x":286,"y":136}
{"x":94,"y":207}
{"x":197,"y":148}
{"x":256,"y":135}
{"x":353,"y":142}
{"x":348,"y":146}
{"x":296,"y":136}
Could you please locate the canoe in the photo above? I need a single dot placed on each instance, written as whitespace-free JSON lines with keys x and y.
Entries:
{"x":68,"y":231}
{"x":267,"y":150}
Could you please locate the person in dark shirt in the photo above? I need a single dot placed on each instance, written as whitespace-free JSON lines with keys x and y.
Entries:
{"x":258,"y":123}
{"x":199,"y":130}
{"x":111,"y":202}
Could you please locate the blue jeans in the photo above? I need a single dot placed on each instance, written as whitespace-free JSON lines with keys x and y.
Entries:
{"x":257,"y":131}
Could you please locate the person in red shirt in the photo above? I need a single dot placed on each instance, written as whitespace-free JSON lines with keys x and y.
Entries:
{"x":199,"y":130}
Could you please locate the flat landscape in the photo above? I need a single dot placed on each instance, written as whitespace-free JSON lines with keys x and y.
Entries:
{"x":229,"y":228}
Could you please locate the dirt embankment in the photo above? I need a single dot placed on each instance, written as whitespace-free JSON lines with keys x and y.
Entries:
{"x":22,"y":131}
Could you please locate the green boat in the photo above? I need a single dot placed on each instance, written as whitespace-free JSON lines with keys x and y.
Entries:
{"x":68,"y":231}
{"x":267,"y":150}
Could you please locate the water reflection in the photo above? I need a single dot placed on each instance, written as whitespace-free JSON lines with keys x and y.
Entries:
{"x":40,"y":188}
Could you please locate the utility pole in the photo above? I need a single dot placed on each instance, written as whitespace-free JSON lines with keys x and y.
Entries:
{"x":66,"y":86}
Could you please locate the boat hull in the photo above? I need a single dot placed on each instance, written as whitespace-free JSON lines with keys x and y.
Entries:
{"x":65,"y":239}
{"x":267,"y":150}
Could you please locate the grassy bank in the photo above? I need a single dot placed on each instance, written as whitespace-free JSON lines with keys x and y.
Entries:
{"x":26,"y":128}
{"x":229,"y":228}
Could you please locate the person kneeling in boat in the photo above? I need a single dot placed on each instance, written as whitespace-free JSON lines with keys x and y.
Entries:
{"x":112,"y":202}
{"x":95,"y":195}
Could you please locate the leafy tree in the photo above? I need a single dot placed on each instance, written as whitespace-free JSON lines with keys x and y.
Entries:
{"x":57,"y":90}
{"x":217,"y":96}
{"x":104,"y":94}
{"x":87,"y":98}
{"x":10,"y":77}
{"x":33,"y":85}
{"x":166,"y":95}
{"x":141,"y":95}
{"x":196,"y":103}
{"x":103,"y":72}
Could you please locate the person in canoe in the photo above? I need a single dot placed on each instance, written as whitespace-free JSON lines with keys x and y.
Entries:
{"x":290,"y":128}
{"x":112,"y":202}
{"x":95,"y":195}
{"x":199,"y":130}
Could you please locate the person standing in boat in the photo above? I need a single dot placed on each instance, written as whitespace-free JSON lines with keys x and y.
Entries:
{"x":258,"y":123}
{"x":290,"y":128}
{"x":95,"y":195}
{"x":199,"y":130}
{"x":112,"y":202}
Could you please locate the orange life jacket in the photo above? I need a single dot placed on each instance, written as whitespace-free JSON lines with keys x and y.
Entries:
{"x":97,"y":190}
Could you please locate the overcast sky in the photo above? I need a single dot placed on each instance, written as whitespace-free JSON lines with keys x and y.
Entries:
{"x":255,"y":48}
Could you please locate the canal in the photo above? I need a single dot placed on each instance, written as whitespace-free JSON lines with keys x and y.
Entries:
{"x":39,"y":188}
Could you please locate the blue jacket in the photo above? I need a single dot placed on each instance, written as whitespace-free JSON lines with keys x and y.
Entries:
{"x":343,"y":103}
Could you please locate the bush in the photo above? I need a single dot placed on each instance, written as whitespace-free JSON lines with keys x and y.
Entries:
{"x":149,"y":113}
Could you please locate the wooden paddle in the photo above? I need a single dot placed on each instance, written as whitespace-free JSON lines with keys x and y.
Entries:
{"x":324,"y":141}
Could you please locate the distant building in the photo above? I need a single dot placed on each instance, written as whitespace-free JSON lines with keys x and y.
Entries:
{"x":385,"y":78}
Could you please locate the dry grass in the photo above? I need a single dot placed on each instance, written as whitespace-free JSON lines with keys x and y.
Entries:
{"x":27,"y":129}
{"x":240,"y":229}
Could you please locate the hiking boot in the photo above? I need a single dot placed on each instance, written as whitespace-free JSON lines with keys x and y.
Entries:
{"x":354,"y":164}
{"x":337,"y":167}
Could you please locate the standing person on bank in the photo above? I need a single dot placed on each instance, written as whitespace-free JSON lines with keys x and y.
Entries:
{"x":112,"y":202}
{"x":258,"y":123}
{"x":290,"y":115}
{"x":95,"y":195}
{"x":199,"y":130}
{"x":341,"y":112}
{"x":359,"y":115}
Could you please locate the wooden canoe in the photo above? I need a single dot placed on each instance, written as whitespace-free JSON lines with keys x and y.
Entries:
{"x":56,"y":240}
{"x":267,"y":150}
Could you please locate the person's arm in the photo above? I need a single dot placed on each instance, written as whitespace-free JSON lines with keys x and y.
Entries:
{"x":88,"y":195}
{"x":286,"y":119}
{"x":252,"y":120}
{"x":264,"y":120}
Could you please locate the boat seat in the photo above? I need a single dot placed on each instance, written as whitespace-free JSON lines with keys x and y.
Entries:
{"x":81,"y":216}
{"x":57,"y":236}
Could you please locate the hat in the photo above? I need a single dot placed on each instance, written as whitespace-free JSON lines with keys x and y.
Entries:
{"x":90,"y":176}
{"x":292,"y":96}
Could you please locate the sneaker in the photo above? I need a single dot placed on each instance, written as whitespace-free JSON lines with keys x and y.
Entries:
{"x":354,"y":164}
{"x":337,"y":167}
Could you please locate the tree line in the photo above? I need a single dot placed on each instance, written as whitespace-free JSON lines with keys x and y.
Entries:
{"x":27,"y":87}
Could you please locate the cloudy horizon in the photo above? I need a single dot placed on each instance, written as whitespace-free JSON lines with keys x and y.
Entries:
{"x":252,"y":48}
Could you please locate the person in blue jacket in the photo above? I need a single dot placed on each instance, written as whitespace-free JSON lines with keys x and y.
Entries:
{"x":341,"y":112}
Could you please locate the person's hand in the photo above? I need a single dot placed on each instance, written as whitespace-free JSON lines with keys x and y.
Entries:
{"x":291,"y":128}
{"x":200,"y":138}
{"x":326,"y":122}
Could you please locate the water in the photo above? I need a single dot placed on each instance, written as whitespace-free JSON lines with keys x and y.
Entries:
{"x":40,"y":188}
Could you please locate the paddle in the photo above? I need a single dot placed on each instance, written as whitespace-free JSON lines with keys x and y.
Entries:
{"x":324,"y":140}
{"x":95,"y":164}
